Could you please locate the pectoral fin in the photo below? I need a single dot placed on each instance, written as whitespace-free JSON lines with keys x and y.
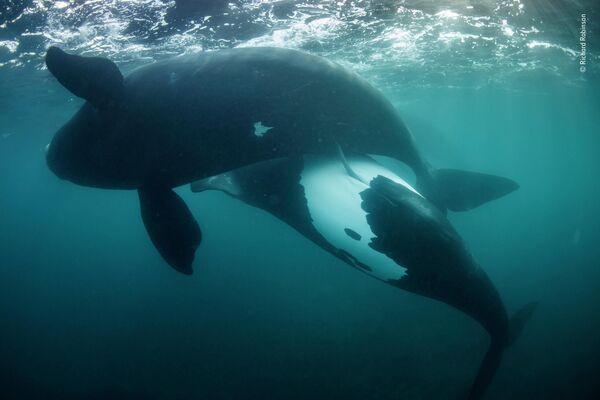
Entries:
{"x":171,"y":226}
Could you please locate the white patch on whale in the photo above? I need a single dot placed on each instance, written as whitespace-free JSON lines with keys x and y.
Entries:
{"x":222,"y":182}
{"x":334,"y":202}
{"x":260,"y":129}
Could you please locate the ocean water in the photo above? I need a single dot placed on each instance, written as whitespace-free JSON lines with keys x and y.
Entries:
{"x":89,"y":310}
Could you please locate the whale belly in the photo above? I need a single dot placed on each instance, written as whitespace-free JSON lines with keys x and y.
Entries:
{"x":335,"y":206}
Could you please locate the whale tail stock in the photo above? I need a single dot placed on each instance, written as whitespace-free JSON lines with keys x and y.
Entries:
{"x":492,"y":358}
{"x":457,"y":190}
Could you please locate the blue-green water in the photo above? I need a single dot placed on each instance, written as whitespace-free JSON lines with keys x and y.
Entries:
{"x":88,"y":309}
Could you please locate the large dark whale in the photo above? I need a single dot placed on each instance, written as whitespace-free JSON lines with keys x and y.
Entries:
{"x":374,"y":220}
{"x":187,"y":118}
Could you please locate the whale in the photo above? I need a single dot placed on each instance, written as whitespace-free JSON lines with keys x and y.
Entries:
{"x":373,"y":219}
{"x":186,"y":118}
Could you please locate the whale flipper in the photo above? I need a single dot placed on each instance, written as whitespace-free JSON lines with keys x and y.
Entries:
{"x":171,"y":227}
{"x":460,"y":190}
{"x":95,"y":79}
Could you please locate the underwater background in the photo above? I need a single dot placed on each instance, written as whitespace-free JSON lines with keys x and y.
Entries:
{"x":89,"y":310}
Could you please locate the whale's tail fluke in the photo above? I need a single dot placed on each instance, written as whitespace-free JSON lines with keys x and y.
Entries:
{"x":95,"y":79}
{"x":456,"y":190}
{"x":492,"y":358}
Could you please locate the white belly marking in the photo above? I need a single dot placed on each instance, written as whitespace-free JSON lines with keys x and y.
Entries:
{"x":334,"y":203}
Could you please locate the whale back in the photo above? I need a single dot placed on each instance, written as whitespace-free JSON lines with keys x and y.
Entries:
{"x":186,"y":118}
